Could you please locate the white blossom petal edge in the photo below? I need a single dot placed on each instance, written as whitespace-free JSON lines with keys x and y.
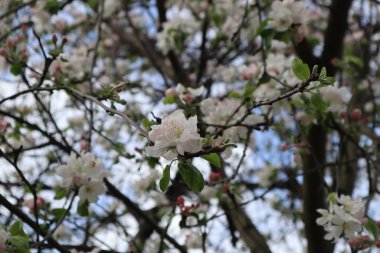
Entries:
{"x":175,"y":135}
{"x":85,"y":172}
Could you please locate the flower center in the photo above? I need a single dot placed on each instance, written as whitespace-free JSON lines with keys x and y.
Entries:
{"x":178,"y":132}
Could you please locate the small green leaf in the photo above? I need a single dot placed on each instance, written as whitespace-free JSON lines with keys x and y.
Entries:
{"x":118,"y":147}
{"x":372,"y":227}
{"x":18,"y":244}
{"x":323,"y":73}
{"x":16,"y":69}
{"x":58,"y":212}
{"x":51,"y":6}
{"x":268,"y":35}
{"x":262,"y":26}
{"x":60,"y":194}
{"x":318,"y":102}
{"x":164,"y":182}
{"x":264,"y":79}
{"x":213,"y":158}
{"x":82,"y":208}
{"x":169,"y":100}
{"x":300,"y":69}
{"x":17,"y":229}
{"x":315,"y":70}
{"x":192,"y":176}
{"x":354,"y":60}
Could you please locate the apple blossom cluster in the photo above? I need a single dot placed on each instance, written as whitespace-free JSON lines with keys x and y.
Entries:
{"x":176,"y":31}
{"x":85,"y":172}
{"x":286,"y":13}
{"x":337,"y":98}
{"x":344,"y":217}
{"x":185,"y":94}
{"x":175,"y":135}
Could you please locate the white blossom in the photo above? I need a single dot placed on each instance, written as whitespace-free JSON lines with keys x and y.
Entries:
{"x":178,"y":28}
{"x":286,"y":13}
{"x":187,"y":94}
{"x":343,"y":218}
{"x":85,"y":172}
{"x":62,"y":233}
{"x":337,"y":98}
{"x":175,"y":135}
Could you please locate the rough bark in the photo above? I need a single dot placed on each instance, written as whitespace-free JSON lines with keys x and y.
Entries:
{"x":240,"y":222}
{"x":313,"y":185}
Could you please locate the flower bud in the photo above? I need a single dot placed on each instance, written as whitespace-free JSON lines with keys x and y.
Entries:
{"x":54,"y":39}
{"x":180,"y":201}
{"x":10,"y":42}
{"x":64,"y":40}
{"x":356,"y":114}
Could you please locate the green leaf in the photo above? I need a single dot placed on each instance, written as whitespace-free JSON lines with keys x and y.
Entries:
{"x":372,"y":227}
{"x":164,"y":181}
{"x":192,"y":176}
{"x":300,"y":69}
{"x":213,"y":158}
{"x":268,"y":35}
{"x":93,"y":4}
{"x":318,"y":102}
{"x":18,"y":244}
{"x":262,"y":26}
{"x":82,"y":208}
{"x":264,"y":79}
{"x":323,"y":73}
{"x":51,"y":6}
{"x":17,"y":229}
{"x":16,"y":69}
{"x":58,"y":212}
{"x":148,"y":123}
{"x":169,"y":100}
{"x":60,"y":194}
{"x":118,"y":147}
{"x":354,"y":60}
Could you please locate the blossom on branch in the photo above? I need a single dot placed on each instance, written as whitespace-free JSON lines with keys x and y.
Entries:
{"x":175,"y":135}
{"x":344,"y":217}
{"x":85,"y":172}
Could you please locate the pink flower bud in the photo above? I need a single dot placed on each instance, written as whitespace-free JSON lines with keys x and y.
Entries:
{"x":4,"y":126}
{"x":214,"y":176}
{"x":185,"y":209}
{"x":187,"y":98}
{"x":24,"y":54}
{"x":54,"y":38}
{"x":3,"y":51}
{"x":10,"y":42}
{"x":83,"y":145}
{"x":359,"y":242}
{"x":226,"y":186}
{"x":180,"y":201}
{"x":40,"y":201}
{"x":64,"y":40}
{"x":356,"y":114}
{"x":247,"y":76}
